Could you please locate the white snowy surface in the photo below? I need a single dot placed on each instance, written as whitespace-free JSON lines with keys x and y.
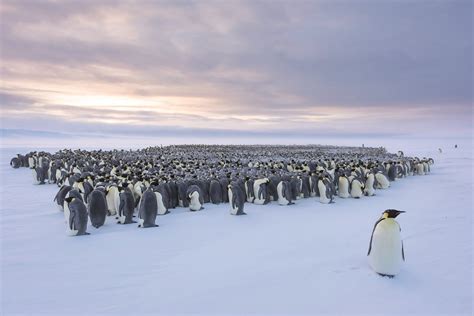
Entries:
{"x":308,"y":258}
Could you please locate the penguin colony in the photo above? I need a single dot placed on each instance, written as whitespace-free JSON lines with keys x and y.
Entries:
{"x":144,"y":183}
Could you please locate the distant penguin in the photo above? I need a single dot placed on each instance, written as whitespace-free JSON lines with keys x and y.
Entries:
{"x":61,"y":195}
{"x":392,"y":172}
{"x":15,"y":162}
{"x":215,"y":192}
{"x":236,"y":199}
{"x":113,"y":199}
{"x":195,"y":197}
{"x":369,"y":187}
{"x":162,"y":209}
{"x":97,"y":208}
{"x":357,"y":188}
{"x":382,"y":181}
{"x":325,"y":192}
{"x":72,"y":193}
{"x":343,"y":186}
{"x":126,"y":206}
{"x":77,"y":221}
{"x":284,"y":193}
{"x":386,"y":247}
{"x":249,"y":191}
{"x":260,"y":191}
{"x":148,"y":210}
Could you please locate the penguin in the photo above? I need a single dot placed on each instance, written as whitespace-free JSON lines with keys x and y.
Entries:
{"x":77,"y":221}
{"x":15,"y":163}
{"x":162,"y":209}
{"x":369,"y":187}
{"x":61,"y":195}
{"x":126,"y":206}
{"x":236,"y":199}
{"x":249,"y":191}
{"x":382,"y":181}
{"x":148,"y":210}
{"x":313,"y":185}
{"x":343,"y":185}
{"x":194,"y":194}
{"x":72,"y":193}
{"x":386,"y":252}
{"x":260,"y":191}
{"x":97,"y":208}
{"x":325,"y":192}
{"x":215,"y":192}
{"x":112,"y":195}
{"x":357,"y":188}
{"x":284,"y":193}
{"x":392,"y":172}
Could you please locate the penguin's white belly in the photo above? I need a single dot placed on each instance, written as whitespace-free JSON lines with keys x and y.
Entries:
{"x":233,"y":210}
{"x":382,"y":180}
{"x":67,"y":212}
{"x":356,"y":191}
{"x":386,"y":254}
{"x":194,"y":204}
{"x":281,"y":199}
{"x":369,"y":186}
{"x":161,"y":205}
{"x":322,"y":193}
{"x":35,"y":176}
{"x":343,"y":188}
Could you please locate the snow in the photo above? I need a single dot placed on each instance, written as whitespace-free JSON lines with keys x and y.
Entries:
{"x":308,"y":258}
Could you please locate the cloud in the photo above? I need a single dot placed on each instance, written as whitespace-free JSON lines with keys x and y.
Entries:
{"x":239,"y":65}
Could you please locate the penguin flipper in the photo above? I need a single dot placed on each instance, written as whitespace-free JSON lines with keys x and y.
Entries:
{"x":72,"y":216}
{"x":403,"y":252}
{"x":372,"y":236}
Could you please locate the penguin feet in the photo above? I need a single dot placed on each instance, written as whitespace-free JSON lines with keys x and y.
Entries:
{"x":386,"y":275}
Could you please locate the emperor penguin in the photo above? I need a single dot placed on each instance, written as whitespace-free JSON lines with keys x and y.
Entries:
{"x":236,"y":199}
{"x":61,"y":195}
{"x":249,"y":191}
{"x":215,"y":192}
{"x":357,"y":188}
{"x":284,"y":193}
{"x":15,"y":163}
{"x":113,"y":199}
{"x":97,"y":208}
{"x":148,"y":210}
{"x":260,"y":191}
{"x":369,"y":187}
{"x":72,"y":193}
{"x":343,"y":185}
{"x":325,"y":192}
{"x":382,"y":181}
{"x":126,"y":206}
{"x":77,"y":221}
{"x":386,"y":247}
{"x":162,"y":209}
{"x":194,"y":194}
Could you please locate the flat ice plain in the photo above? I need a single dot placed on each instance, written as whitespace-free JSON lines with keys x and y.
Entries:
{"x":304,"y":259}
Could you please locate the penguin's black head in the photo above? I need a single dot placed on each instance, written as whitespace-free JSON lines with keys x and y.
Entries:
{"x":390,"y":213}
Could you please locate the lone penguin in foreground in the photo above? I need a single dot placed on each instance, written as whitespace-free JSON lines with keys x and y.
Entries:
{"x":386,"y":247}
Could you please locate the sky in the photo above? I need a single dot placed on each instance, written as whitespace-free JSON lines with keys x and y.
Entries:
{"x":210,"y":71}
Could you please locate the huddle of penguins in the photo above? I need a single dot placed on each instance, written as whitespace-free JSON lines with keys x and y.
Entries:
{"x":152,"y":181}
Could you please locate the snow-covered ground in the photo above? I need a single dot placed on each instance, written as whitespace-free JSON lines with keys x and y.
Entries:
{"x":308,"y":258}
